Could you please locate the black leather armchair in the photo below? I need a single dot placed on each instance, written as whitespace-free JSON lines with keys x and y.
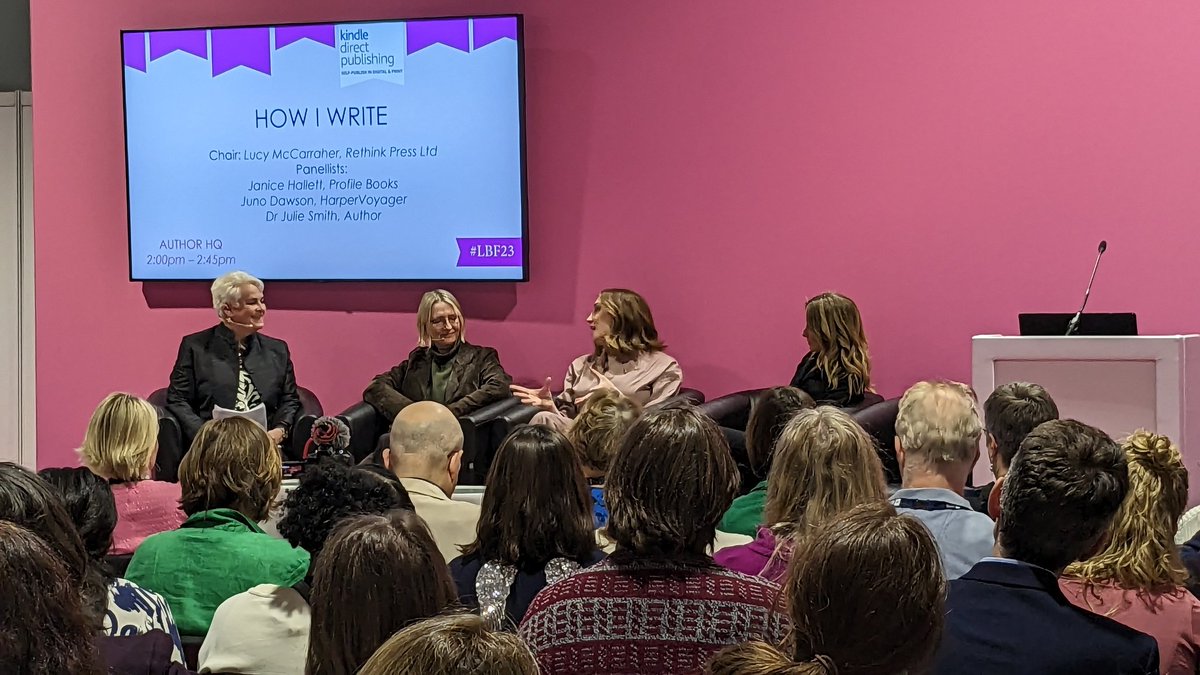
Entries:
{"x":733,"y":410}
{"x":521,"y":413}
{"x":369,"y":429}
{"x":879,"y":421}
{"x":170,"y":435}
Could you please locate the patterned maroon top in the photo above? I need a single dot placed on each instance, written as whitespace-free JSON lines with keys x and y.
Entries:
{"x":648,"y":616}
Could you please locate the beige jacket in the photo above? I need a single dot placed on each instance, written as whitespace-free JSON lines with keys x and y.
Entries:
{"x":451,"y":522}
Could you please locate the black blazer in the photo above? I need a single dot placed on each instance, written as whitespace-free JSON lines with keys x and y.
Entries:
{"x":476,"y":379}
{"x":1009,"y":619}
{"x":206,"y":372}
{"x":812,"y":381}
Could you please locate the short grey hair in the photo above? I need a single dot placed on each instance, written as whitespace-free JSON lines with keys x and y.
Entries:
{"x":227,"y":289}
{"x":939,"y":421}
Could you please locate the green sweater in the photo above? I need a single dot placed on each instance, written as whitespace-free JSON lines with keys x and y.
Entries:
{"x":746,"y":513}
{"x":213,"y":556}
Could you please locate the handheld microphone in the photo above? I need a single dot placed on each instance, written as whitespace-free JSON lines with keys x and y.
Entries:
{"x":1073,"y":325}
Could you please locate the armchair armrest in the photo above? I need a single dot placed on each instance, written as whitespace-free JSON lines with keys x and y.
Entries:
{"x":732,"y":410}
{"x":366,"y":425}
{"x":684,"y":397}
{"x":479,"y":440}
{"x":170,"y":447}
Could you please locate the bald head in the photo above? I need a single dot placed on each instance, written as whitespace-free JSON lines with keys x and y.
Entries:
{"x":425,"y":430}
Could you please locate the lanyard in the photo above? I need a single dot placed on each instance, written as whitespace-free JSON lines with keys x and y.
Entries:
{"x":926,"y":505}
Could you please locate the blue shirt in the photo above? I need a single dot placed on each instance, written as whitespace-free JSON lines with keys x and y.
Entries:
{"x":963,"y":535}
{"x":599,"y":507}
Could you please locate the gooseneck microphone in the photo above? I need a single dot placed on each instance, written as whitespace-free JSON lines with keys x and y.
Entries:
{"x":1073,"y":325}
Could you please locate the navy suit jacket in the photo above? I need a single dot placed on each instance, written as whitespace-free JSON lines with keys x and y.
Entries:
{"x":1005,"y":618}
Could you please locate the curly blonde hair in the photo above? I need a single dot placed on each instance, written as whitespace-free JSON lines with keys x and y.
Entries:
{"x":1141,"y":553}
{"x":835,"y":327}
{"x":598,"y":429}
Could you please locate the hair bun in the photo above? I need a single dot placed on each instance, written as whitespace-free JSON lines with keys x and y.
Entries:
{"x":1155,"y":451}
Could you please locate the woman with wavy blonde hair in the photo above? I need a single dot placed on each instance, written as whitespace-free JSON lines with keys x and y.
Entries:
{"x":837,"y":368}
{"x":825,"y":465}
{"x":627,"y":355}
{"x":120,"y":445}
{"x":1138,"y":577}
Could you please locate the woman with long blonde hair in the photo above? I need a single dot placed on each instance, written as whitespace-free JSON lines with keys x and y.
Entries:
{"x":825,"y":465}
{"x":627,"y":355}
{"x":1138,"y":578}
{"x":837,"y":368}
{"x":120,"y":446}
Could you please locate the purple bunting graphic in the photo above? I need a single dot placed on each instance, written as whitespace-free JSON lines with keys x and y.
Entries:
{"x":489,"y":252}
{"x":193,"y":42}
{"x":321,"y":34}
{"x":450,"y":32}
{"x":486,"y":31}
{"x":233,"y":47}
{"x":133,"y":46}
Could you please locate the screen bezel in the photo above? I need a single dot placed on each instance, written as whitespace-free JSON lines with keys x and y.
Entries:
{"x":456,"y":280}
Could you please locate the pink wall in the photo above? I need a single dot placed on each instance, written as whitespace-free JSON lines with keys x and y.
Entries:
{"x":946,"y":163}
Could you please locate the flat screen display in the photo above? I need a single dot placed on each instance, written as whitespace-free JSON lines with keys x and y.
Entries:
{"x":384,"y":150}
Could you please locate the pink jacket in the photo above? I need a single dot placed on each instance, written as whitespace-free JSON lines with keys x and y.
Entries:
{"x":144,"y":508}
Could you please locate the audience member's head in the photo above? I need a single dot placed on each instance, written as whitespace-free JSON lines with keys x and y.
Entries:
{"x":598,"y":428}
{"x":834,"y":330}
{"x":121,"y":440}
{"x":1061,"y":492}
{"x":454,"y":644}
{"x":89,"y":501}
{"x":622,"y":325}
{"x":330,"y":492}
{"x":937,"y":435}
{"x":867,"y":598}
{"x":232,"y":464}
{"x":376,"y":574}
{"x":1010,"y":413}
{"x":28,"y":501}
{"x":770,"y":413}
{"x":825,"y":465}
{"x":1141,"y":554}
{"x":45,"y":629}
{"x":426,"y":442}
{"x":670,"y":483}
{"x":536,"y":506}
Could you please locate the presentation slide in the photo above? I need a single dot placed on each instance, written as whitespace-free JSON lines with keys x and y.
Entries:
{"x":358,"y":151}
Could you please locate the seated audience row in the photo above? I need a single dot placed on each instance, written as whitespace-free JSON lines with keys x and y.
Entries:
{"x":1084,"y":564}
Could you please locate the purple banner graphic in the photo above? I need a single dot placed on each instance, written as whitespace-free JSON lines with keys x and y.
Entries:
{"x":233,"y":47}
{"x":487,"y":31}
{"x":286,"y":35}
{"x":450,"y":32}
{"x":190,"y":41}
{"x":134,"y":47}
{"x":490,"y":252}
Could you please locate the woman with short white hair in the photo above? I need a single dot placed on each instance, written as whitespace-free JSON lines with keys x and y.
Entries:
{"x":444,"y":367}
{"x":234,"y":366}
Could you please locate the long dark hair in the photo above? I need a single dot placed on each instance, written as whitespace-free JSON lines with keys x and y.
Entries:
{"x":672,"y":480}
{"x":89,"y":501}
{"x":45,"y":629}
{"x":375,"y":575}
{"x":771,"y":412}
{"x":536,"y":506}
{"x":31,"y":503}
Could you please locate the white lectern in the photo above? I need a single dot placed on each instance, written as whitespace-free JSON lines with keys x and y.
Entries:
{"x":1119,"y":384}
